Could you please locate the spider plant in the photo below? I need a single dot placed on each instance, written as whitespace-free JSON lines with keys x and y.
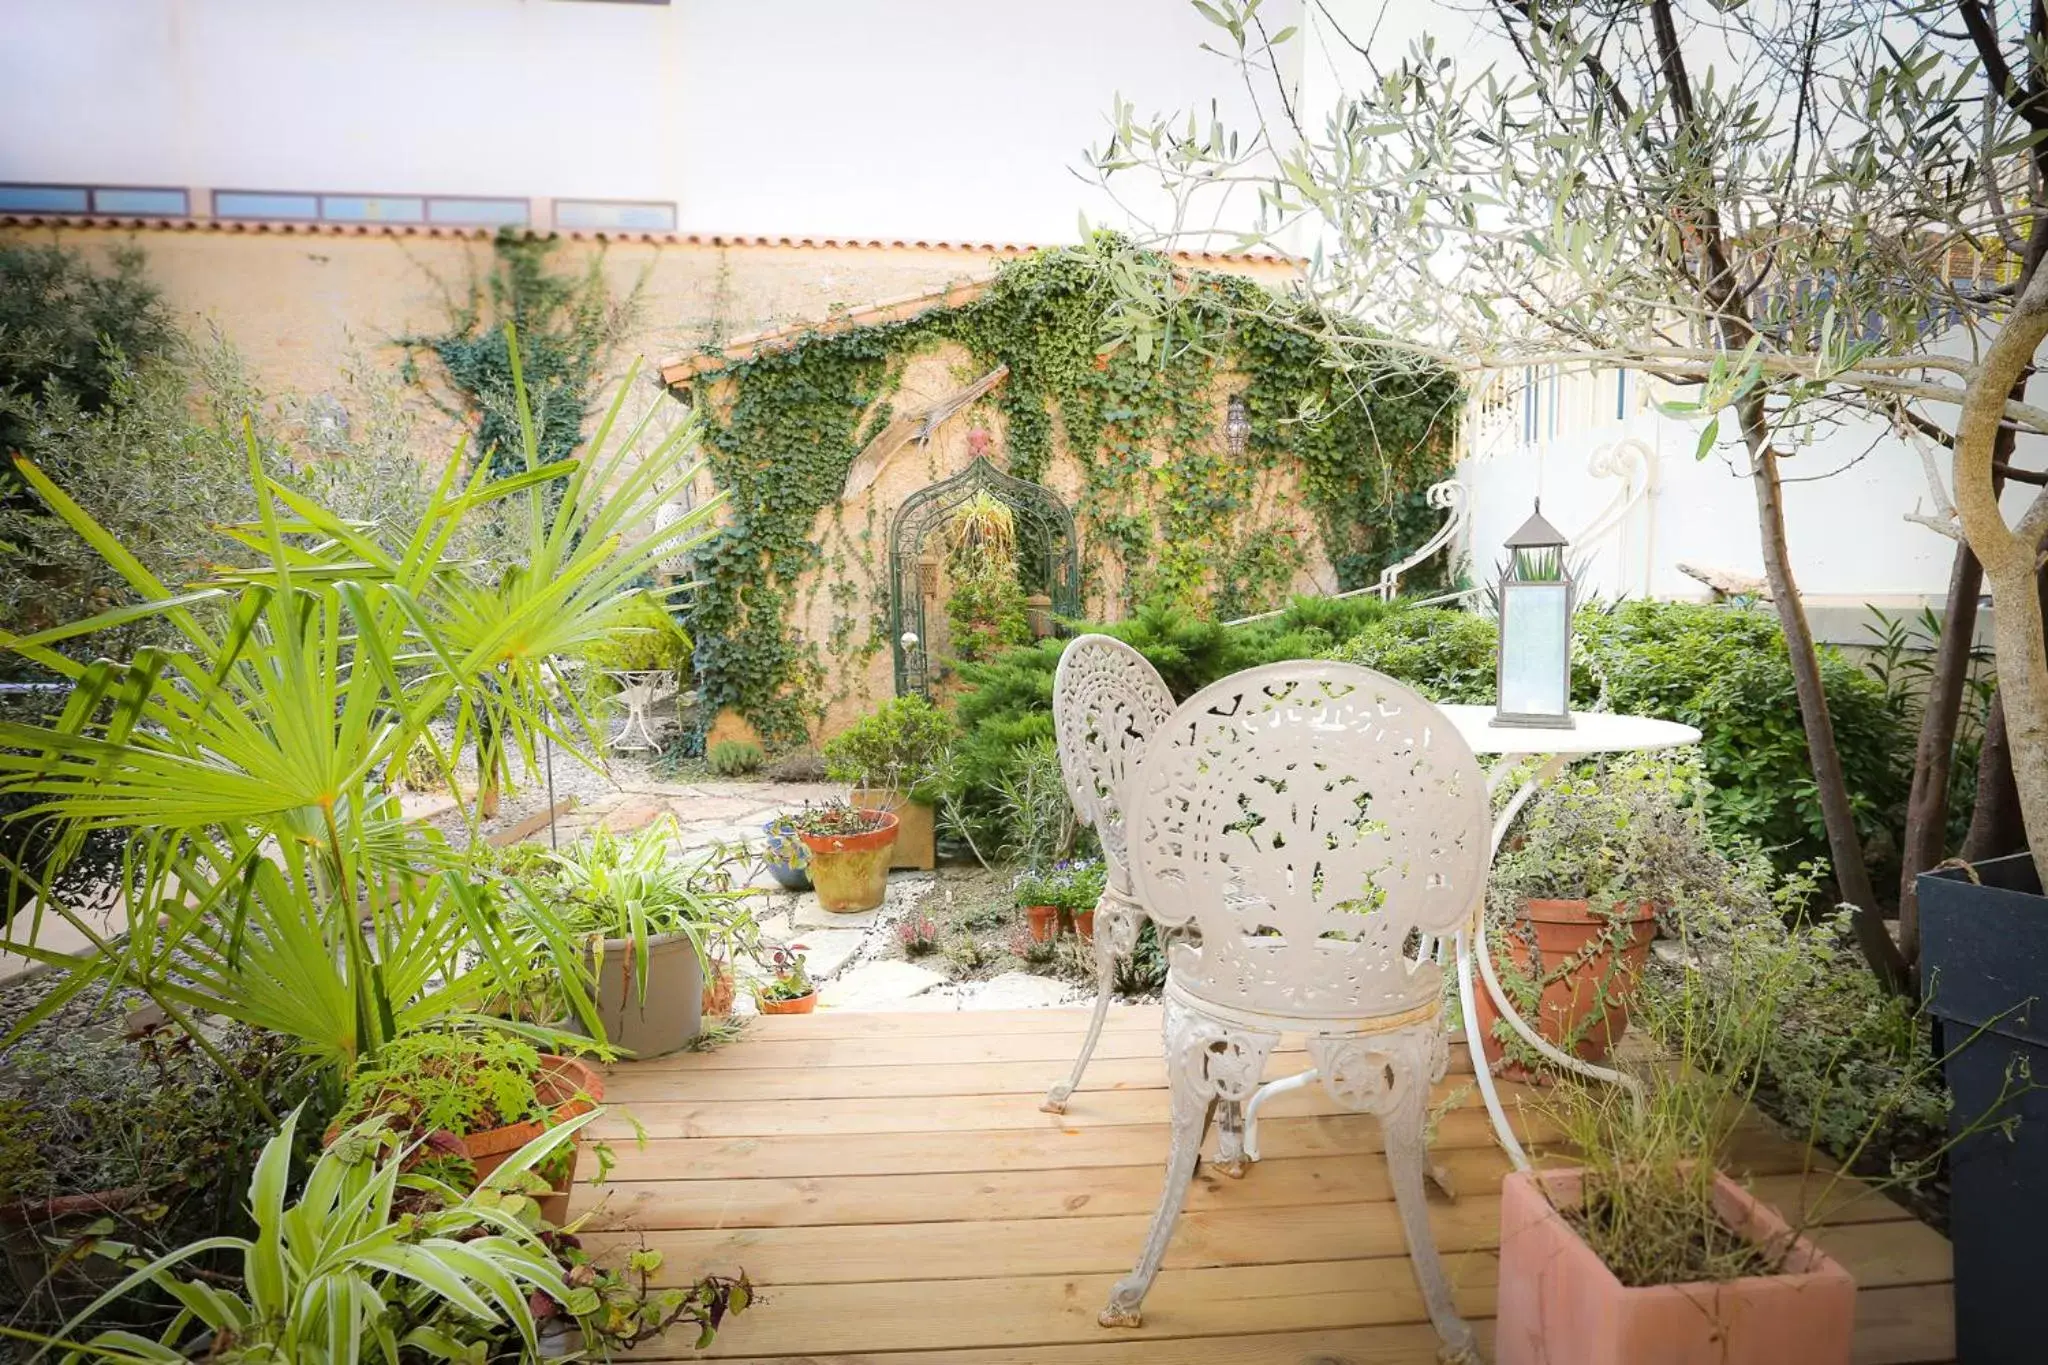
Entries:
{"x":367,"y":1264}
{"x":269,"y":876}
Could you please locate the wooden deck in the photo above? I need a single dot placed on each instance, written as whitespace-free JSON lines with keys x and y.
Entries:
{"x":890,"y":1184}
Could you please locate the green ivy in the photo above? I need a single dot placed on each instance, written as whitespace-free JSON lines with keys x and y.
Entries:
{"x":567,"y":324}
{"x":785,"y":426}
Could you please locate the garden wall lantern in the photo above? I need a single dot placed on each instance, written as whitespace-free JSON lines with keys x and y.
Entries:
{"x":1237,"y":425}
{"x":1535,"y":669}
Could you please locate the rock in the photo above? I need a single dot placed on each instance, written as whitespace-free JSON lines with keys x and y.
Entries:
{"x":827,"y":950}
{"x":1728,"y":582}
{"x":1017,"y":991}
{"x":907,"y":891}
{"x":878,"y":986}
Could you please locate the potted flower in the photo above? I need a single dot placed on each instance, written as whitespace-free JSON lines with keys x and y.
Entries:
{"x":473,"y":1097}
{"x":647,"y":920}
{"x":895,"y":760}
{"x":1645,"y":1250}
{"x":1573,"y":901}
{"x":784,"y":855}
{"x":1081,"y":888}
{"x":850,"y":854}
{"x":1039,"y":895}
{"x":788,"y":989}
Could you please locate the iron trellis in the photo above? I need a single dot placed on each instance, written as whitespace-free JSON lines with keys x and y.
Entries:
{"x":1048,"y":560}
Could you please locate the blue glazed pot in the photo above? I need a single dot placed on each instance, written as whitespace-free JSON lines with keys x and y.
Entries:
{"x":786,"y":858}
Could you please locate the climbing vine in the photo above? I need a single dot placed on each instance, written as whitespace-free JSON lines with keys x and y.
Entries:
{"x":1162,"y":499}
{"x":567,"y":324}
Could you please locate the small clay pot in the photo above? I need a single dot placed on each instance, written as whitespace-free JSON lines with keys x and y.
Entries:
{"x":718,"y":992}
{"x":1084,"y":924}
{"x":1044,"y":921}
{"x":803,"y":1004}
{"x":1564,"y":929}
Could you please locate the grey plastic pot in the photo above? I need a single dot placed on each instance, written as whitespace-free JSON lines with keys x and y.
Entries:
{"x":670,"y":1014}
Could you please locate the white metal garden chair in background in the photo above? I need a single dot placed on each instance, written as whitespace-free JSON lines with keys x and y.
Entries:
{"x":1106,"y":702}
{"x":1322,"y":825}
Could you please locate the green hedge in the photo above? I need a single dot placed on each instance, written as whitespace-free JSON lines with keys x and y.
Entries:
{"x":1723,"y":669}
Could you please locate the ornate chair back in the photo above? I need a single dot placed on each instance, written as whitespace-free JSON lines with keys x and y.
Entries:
{"x":1107,"y":701}
{"x":1322,"y":824}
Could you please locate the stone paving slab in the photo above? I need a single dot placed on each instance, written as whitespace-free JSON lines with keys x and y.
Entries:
{"x":879,"y":986}
{"x":1018,"y":990}
{"x":825,"y":951}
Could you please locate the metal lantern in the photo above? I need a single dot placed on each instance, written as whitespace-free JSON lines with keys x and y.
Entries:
{"x":1237,"y":425}
{"x":1535,"y":669}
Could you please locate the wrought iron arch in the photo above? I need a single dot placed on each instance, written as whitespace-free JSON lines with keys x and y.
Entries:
{"x":1048,"y":560}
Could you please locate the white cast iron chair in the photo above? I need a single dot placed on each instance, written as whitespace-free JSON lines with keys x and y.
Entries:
{"x":1106,"y":702}
{"x":1322,"y":824}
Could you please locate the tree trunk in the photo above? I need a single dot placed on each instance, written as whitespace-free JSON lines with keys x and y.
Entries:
{"x":1845,"y":845}
{"x":2016,"y":631}
{"x":1934,"y":755}
{"x":1995,"y":828}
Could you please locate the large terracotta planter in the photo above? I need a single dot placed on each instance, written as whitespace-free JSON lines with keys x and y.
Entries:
{"x":574,"y":1088}
{"x":1559,"y":1304}
{"x":1575,"y":1006}
{"x":851,"y":871}
{"x":1044,"y":921}
{"x":917,"y":842}
{"x":670,"y":1013}
{"x":803,"y":1004}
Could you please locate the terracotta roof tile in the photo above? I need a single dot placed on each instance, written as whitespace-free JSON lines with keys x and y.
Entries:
{"x":287,"y":227}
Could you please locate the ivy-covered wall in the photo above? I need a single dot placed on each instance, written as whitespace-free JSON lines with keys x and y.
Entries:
{"x":791,"y":614}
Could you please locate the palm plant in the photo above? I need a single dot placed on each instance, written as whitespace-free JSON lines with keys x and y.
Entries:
{"x":269,"y":877}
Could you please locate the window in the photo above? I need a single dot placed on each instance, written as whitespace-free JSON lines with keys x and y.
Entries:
{"x":478,"y":212}
{"x":43,"y":199}
{"x":620,"y":215}
{"x":261,"y":204}
{"x":372,"y":208}
{"x":141,"y":203}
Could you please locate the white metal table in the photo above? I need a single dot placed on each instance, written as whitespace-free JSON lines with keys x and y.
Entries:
{"x":640,"y":690}
{"x":1592,"y":733}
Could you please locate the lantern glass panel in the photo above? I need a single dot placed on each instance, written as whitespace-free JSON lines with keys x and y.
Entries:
{"x":1535,"y":651}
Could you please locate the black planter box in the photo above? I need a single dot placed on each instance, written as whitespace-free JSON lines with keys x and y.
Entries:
{"x":1984,"y":959}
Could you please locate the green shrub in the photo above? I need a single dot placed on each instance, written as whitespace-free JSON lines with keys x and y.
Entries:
{"x":1725,"y":669}
{"x":1446,"y":654}
{"x":734,"y":757}
{"x":903,"y":746}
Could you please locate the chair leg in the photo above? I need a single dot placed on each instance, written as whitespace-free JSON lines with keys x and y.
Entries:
{"x":1206,"y":1061}
{"x":1389,"y":1076}
{"x":1191,"y":1110}
{"x":1116,"y":936}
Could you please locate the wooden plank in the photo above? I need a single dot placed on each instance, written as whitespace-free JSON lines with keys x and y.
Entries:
{"x":915,"y":1197}
{"x":923,"y":1315}
{"x":692,"y":1118}
{"x":813,"y":1156}
{"x":1816,"y":1197}
{"x":1877,"y":1254}
{"x":1057,"y":1050}
{"x":1915,"y":1325}
{"x":1071,"y":1020}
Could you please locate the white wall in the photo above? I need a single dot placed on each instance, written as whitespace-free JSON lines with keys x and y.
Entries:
{"x":920,"y":119}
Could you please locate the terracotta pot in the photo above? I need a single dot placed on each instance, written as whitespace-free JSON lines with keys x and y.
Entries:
{"x":1569,"y":1005}
{"x":851,"y":871}
{"x":803,"y":1004}
{"x":718,"y":992}
{"x":917,"y":843}
{"x":1044,"y":920}
{"x":33,"y":1234}
{"x":670,"y":1013}
{"x":574,"y":1088}
{"x":1558,"y":1304}
{"x":1084,"y":924}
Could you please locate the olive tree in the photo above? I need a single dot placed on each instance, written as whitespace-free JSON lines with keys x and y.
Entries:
{"x":1794,"y":209}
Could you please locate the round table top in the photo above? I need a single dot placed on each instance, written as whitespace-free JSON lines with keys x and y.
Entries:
{"x":1592,"y":732}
